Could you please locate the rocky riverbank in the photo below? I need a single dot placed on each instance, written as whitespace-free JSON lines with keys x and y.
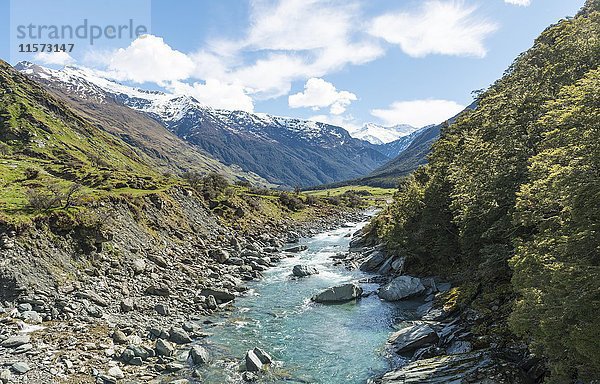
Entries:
{"x":439,"y":345}
{"x":123,"y":294}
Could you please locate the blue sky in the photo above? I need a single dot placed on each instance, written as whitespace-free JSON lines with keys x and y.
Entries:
{"x":345,"y":62}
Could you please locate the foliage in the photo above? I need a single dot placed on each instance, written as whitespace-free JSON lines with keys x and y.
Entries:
{"x":557,"y":267}
{"x":517,"y":179}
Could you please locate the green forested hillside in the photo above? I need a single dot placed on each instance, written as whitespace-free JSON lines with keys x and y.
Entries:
{"x":510,"y":198}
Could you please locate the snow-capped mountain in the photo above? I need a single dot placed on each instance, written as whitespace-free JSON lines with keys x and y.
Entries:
{"x":283,"y":150}
{"x":378,"y":134}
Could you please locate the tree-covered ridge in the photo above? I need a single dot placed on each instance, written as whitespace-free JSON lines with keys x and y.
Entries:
{"x":521,"y":173}
{"x":557,"y":267}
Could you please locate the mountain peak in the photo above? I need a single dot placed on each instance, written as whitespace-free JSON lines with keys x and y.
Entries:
{"x":379,"y":134}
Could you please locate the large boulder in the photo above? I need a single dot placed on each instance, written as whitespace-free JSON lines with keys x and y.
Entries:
{"x":401,"y":287}
{"x":339,"y":294}
{"x":413,"y":337}
{"x":304,"y":270}
{"x":373,"y":261}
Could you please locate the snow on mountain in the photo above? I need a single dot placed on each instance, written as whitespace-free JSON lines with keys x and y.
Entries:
{"x":283,"y":150}
{"x":170,"y":108}
{"x":378,"y":134}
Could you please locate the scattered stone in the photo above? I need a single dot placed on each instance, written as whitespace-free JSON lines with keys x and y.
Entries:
{"x":296,"y":249}
{"x":219,"y":294}
{"x":116,"y":372}
{"x":23,"y":348}
{"x":339,"y":294}
{"x":162,"y":309}
{"x":5,"y":376}
{"x":164,"y":348}
{"x":211,"y":302}
{"x":119,"y":337}
{"x":127,"y":305}
{"x":20,"y":367}
{"x":139,"y":266}
{"x":249,"y":377}
{"x":15,"y":341}
{"x":179,"y":336}
{"x":304,"y":270}
{"x":158,"y":260}
{"x":199,"y":355}
{"x":220,"y":255}
{"x":400,"y":288}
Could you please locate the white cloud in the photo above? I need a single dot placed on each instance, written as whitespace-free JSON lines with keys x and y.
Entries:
{"x":215,"y":93}
{"x":418,"y":113}
{"x":149,"y":59}
{"x":54,"y":58}
{"x":318,"y":94}
{"x":446,"y":28}
{"x":292,"y":40}
{"x":522,"y":3}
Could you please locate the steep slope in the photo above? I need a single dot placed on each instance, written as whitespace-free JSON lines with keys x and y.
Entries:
{"x":396,"y":147}
{"x":507,"y":206}
{"x":144,"y":134}
{"x":45,"y":144}
{"x":282,"y":150}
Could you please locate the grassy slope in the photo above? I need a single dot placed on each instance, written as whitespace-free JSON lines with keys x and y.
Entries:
{"x":40,"y":134}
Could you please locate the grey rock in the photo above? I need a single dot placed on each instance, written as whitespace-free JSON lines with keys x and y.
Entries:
{"x":304,"y":270}
{"x":400,"y":288}
{"x":455,"y":369}
{"x":158,"y":290}
{"x":15,"y":341}
{"x":249,"y":377}
{"x":162,"y":309}
{"x":24,"y":307}
{"x":23,"y":348}
{"x":199,"y":355}
{"x":339,"y":294}
{"x":179,"y":336}
{"x":32,"y":317}
{"x":5,"y":376}
{"x":253,"y":363}
{"x":119,"y":337}
{"x":136,"y":361}
{"x":444,"y":287}
{"x":458,"y":347}
{"x":127,"y":305}
{"x":398,"y":264}
{"x":164,"y":348}
{"x":413,"y":337}
{"x":296,"y":249}
{"x":263,"y":356}
{"x":219,"y":294}
{"x":107,"y":379}
{"x":220,"y":255}
{"x":20,"y":367}
{"x":158,"y":260}
{"x":211,"y":302}
{"x":116,"y":372}
{"x":139,"y":266}
{"x":373,"y":261}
